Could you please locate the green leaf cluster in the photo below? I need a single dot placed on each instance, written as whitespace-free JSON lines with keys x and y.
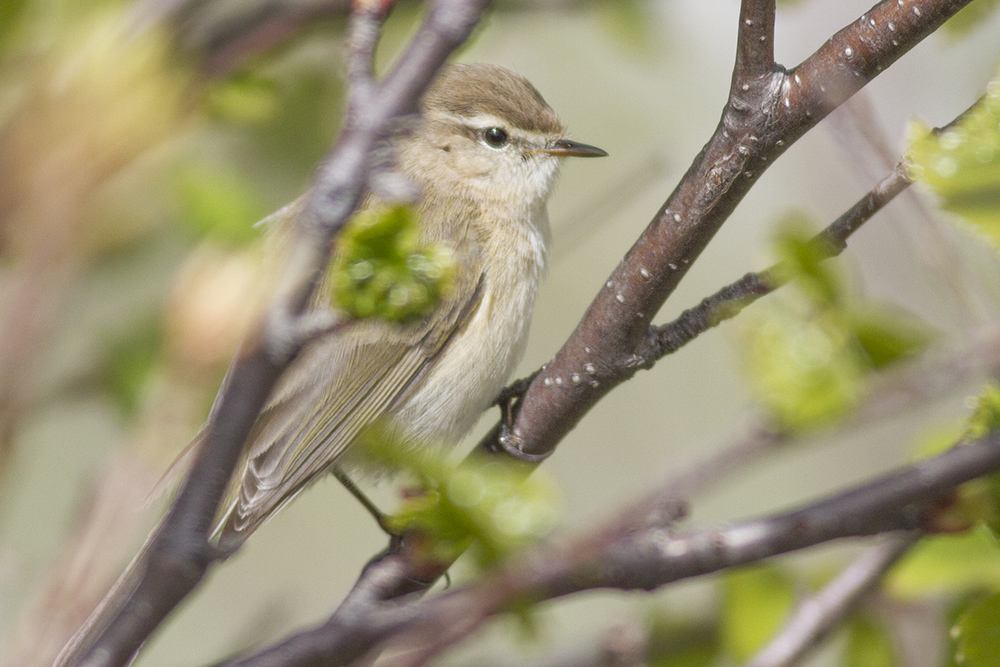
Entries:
{"x":382,"y":269}
{"x":808,"y":357}
{"x":961,"y":164}
{"x":868,"y":644}
{"x":486,"y":504}
{"x":976,"y":634}
{"x":756,"y":601}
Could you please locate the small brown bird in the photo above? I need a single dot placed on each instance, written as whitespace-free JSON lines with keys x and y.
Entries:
{"x":485,"y":155}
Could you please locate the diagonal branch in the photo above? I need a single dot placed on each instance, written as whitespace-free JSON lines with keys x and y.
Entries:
{"x":181,"y":553}
{"x":728,"y":302}
{"x":757,"y":125}
{"x":906,"y":499}
{"x":815,"y":617}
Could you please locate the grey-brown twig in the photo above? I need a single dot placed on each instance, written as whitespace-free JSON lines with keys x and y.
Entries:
{"x":816,"y":616}
{"x":765,"y":114}
{"x":732,"y":299}
{"x":180,"y":554}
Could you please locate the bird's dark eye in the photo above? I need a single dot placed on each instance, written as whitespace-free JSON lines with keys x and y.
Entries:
{"x":495,"y":137}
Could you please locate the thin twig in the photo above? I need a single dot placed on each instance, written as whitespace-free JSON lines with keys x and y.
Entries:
{"x":180,"y":554}
{"x":815,"y":617}
{"x":906,"y":499}
{"x":732,"y":299}
{"x":764,"y":116}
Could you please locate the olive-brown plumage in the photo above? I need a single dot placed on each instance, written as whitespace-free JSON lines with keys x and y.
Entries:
{"x":484,"y":155}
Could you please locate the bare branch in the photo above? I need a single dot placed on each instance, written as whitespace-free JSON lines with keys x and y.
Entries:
{"x":815,"y":617}
{"x":755,"y":44}
{"x":757,"y":127}
{"x":904,"y":500}
{"x":732,"y":299}
{"x":180,"y":553}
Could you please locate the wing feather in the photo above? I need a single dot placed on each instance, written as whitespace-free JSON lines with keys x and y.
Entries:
{"x":338,"y":386}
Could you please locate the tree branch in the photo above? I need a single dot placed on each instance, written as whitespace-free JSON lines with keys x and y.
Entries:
{"x":730,"y":301}
{"x":757,"y":125}
{"x":180,"y":553}
{"x":816,"y":616}
{"x":904,"y":500}
{"x":754,"y":45}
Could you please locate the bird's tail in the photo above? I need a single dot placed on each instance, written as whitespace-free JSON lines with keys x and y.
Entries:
{"x":122,"y":590}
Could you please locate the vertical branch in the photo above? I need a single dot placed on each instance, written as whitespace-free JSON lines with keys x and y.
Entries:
{"x":757,"y":126}
{"x":755,"y":44}
{"x":180,"y":552}
{"x":365,"y":30}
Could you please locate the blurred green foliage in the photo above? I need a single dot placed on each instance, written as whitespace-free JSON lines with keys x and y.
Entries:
{"x":756,"y":601}
{"x":976,"y":634}
{"x":675,"y":642}
{"x":129,"y":364}
{"x":868,"y":644}
{"x":948,"y":565}
{"x":383,"y":270}
{"x":628,"y":22}
{"x":970,"y":17}
{"x":961,"y":164}
{"x":218,"y":203}
{"x":808,"y":355}
{"x":486,"y":504}
{"x":246,"y":97}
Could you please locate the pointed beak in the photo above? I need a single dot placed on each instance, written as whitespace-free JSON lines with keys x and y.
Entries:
{"x":570,"y":148}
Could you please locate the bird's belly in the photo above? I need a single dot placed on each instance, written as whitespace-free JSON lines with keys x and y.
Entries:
{"x":472,"y":371}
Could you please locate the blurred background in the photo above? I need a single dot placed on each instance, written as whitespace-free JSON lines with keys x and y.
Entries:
{"x":140,"y":142}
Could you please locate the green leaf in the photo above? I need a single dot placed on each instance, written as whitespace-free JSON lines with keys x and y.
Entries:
{"x":887,"y":334}
{"x":802,"y":260}
{"x":383,"y":270}
{"x":486,"y":502}
{"x":970,"y":17}
{"x":218,"y":204}
{"x":681,"y":643}
{"x":977,"y":634}
{"x":868,"y":645}
{"x":756,"y":601}
{"x":985,"y":417}
{"x":961,"y":165}
{"x":809,"y":356}
{"x":807,"y":372}
{"x":948,"y":564}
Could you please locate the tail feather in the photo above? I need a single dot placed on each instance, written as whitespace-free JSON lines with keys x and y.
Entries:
{"x":83,"y":639}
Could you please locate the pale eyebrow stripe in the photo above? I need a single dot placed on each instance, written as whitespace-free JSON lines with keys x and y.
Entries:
{"x":484,"y":121}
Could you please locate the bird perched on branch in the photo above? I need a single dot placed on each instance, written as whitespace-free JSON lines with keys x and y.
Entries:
{"x":484,"y":154}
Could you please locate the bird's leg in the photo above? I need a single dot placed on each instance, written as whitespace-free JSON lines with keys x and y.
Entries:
{"x":380,"y":517}
{"x":509,"y":401}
